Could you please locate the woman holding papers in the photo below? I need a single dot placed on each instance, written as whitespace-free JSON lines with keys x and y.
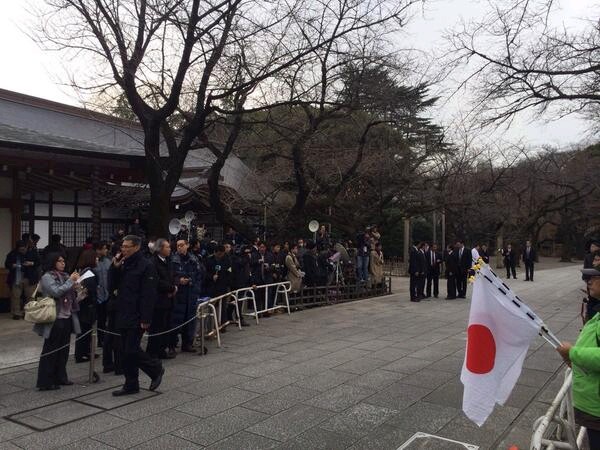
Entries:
{"x":584,"y":358}
{"x":56,"y":283}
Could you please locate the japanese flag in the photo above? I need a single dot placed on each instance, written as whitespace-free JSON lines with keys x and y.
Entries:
{"x":501,"y":328}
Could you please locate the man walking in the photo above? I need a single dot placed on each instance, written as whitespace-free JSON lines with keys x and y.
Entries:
{"x":528,"y":260}
{"x":134,"y":278}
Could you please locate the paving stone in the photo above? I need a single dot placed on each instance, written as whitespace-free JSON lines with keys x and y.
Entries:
{"x":280,"y":400}
{"x":358,"y":420}
{"x":407,"y":365}
{"x":290,"y":423}
{"x":10,"y":430}
{"x":214,"y":404}
{"x":347,"y":354}
{"x":246,"y":441}
{"x":262,"y":368}
{"x":325,"y":380}
{"x":72,"y":432}
{"x":145,"y":429}
{"x":217,"y":384}
{"x":318,"y":439}
{"x":313,"y":367}
{"x":106,"y":400}
{"x":333,"y":346}
{"x":303,"y":355}
{"x":390,"y":353}
{"x":423,"y":416}
{"x":462,"y":429}
{"x":340,"y":397}
{"x":87,"y":444}
{"x":428,"y":378}
{"x":167,"y":442}
{"x":361,"y":366}
{"x":376,"y":379}
{"x":449,"y":394}
{"x":383,"y":438}
{"x":152,"y":405}
{"x":521,"y":396}
{"x":398,"y":396}
{"x":218,"y":427}
{"x":270,"y":382}
{"x":8,"y":446}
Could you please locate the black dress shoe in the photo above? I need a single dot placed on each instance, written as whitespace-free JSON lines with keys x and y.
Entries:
{"x":52,"y":387}
{"x":187,"y":349}
{"x":108,"y":369}
{"x":156,"y":381}
{"x":66,"y":383}
{"x":450,"y":298}
{"x":124,"y":391}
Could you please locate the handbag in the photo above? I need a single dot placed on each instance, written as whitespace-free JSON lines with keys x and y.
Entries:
{"x":40,"y":311}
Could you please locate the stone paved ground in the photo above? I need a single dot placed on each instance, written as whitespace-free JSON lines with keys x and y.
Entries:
{"x":361,"y":375}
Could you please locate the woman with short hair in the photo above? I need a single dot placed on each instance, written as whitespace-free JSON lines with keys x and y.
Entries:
{"x":56,"y":283}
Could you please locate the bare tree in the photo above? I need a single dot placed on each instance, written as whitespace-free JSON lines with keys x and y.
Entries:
{"x":181,"y":64}
{"x":521,"y":57}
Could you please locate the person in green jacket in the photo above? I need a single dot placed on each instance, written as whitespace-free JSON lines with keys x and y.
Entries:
{"x":584,"y":358}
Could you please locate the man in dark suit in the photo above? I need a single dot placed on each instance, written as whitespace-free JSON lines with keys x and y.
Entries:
{"x":161,"y":319}
{"x":464,"y":261}
{"x":451,"y":264}
{"x":134,"y":279}
{"x":433,"y":259}
{"x":510,"y":261}
{"x":528,"y":260}
{"x":416,"y":270}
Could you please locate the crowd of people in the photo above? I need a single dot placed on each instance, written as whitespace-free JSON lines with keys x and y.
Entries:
{"x":155,"y":285}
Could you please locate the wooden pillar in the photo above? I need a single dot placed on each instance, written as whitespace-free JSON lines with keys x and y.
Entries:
{"x":407,"y":242}
{"x":96,"y":208}
{"x":434,"y":219}
{"x":443,"y":231}
{"x":16,"y":208}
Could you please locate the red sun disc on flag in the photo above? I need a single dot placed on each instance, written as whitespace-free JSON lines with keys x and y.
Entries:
{"x":481,"y":349}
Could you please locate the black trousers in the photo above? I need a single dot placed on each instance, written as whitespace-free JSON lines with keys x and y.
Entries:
{"x":451,"y":286}
{"x":82,"y":346}
{"x":112,"y":347}
{"x":461,"y":284}
{"x":529,"y":271}
{"x":53,"y":367}
{"x":594,"y":439}
{"x":161,"y":320}
{"x":135,"y":359}
{"x":511,"y":268}
{"x":414,"y":286}
{"x":434,"y":279}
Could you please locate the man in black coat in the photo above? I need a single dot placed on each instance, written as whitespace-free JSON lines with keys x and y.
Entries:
{"x":161,"y":319}
{"x":433,"y":259}
{"x":23,"y":266}
{"x":416,"y":270}
{"x":510,"y":261}
{"x":135,"y":280}
{"x":219,"y":280}
{"x":451,"y":263}
{"x":310,"y":265}
{"x":528,"y":260}
{"x":464,"y":262}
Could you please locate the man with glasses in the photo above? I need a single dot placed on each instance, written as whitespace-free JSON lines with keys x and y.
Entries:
{"x":134,"y":279}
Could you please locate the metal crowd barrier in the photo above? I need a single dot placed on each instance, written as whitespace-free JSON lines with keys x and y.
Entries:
{"x":214,"y":305}
{"x":249,"y":293}
{"x":556,"y":429}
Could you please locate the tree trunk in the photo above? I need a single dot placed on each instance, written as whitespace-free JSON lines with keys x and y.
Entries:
{"x":160,"y":193}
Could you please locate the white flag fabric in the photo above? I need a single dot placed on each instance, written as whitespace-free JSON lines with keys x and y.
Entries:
{"x":500,"y":330}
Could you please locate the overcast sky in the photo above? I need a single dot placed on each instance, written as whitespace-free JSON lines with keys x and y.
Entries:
{"x":28,"y":69}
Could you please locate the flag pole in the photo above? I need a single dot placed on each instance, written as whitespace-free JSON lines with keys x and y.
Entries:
{"x":550,"y":337}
